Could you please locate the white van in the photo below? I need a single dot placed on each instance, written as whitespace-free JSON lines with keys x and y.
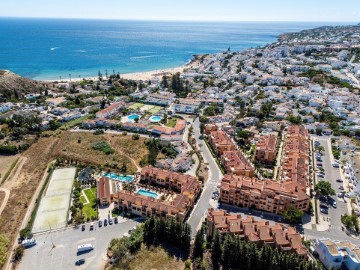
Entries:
{"x":85,"y":247}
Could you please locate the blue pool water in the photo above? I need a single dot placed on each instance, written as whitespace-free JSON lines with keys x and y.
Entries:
{"x":155,"y":118}
{"x":132,"y":117}
{"x":122,"y":178}
{"x":50,"y":48}
{"x":147,"y":193}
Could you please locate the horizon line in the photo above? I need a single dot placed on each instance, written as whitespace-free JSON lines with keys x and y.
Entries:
{"x":175,"y":20}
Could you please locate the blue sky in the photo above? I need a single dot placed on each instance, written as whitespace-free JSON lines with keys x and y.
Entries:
{"x":195,"y":10}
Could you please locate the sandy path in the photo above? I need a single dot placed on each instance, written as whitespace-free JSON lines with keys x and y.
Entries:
{"x":6,"y":198}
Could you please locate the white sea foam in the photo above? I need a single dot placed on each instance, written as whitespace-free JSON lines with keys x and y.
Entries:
{"x":146,"y":56}
{"x":54,"y":48}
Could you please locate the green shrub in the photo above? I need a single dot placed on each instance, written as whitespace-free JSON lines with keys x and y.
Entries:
{"x":103,"y":147}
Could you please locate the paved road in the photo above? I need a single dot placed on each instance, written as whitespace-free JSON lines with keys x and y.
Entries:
{"x":331,"y":174}
{"x":44,"y":256}
{"x":210,"y":186}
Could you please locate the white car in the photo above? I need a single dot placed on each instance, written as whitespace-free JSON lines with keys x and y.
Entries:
{"x":334,"y":204}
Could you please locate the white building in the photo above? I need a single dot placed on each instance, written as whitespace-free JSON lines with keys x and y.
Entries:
{"x":335,"y":254}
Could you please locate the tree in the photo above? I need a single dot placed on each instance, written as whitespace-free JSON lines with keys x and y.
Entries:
{"x":293,"y":215}
{"x":81,"y":206}
{"x":198,"y":249}
{"x":124,"y":168}
{"x":216,"y":249}
{"x":102,"y":104}
{"x":324,"y":188}
{"x":18,"y":252}
{"x":135,"y":137}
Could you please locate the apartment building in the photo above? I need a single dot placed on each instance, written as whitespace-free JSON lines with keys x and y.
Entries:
{"x":267,"y":195}
{"x":236,"y":163}
{"x":187,"y":187}
{"x":279,"y":236}
{"x":295,"y":157}
{"x":111,"y":110}
{"x":209,"y":128}
{"x":170,"y":180}
{"x":178,"y":129}
{"x":266,"y":148}
{"x":221,"y":142}
{"x":144,"y":206}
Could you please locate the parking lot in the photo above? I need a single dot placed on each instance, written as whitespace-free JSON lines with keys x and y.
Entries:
{"x":58,"y":249}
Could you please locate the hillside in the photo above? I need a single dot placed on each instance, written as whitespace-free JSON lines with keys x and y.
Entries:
{"x":13,"y":86}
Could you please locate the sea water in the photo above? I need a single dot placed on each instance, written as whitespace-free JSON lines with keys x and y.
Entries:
{"x":48,"y":49}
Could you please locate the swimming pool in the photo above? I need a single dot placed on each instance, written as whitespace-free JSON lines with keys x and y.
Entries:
{"x":122,"y":178}
{"x":155,"y":118}
{"x":132,"y":117}
{"x":147,"y":193}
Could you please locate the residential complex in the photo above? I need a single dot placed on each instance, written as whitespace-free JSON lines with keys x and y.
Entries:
{"x":266,"y":148}
{"x":221,"y":142}
{"x":295,"y":159}
{"x":236,"y":163}
{"x":279,"y":236}
{"x":267,"y":195}
{"x":184,"y":191}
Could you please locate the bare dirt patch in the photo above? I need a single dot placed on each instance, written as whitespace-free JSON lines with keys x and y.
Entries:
{"x":78,"y":147}
{"x":24,"y":185}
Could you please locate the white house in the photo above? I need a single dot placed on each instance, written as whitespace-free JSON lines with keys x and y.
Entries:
{"x":335,"y":254}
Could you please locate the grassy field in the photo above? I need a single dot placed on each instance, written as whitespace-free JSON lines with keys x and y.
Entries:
{"x":136,"y":106}
{"x":155,"y":109}
{"x":154,"y":258}
{"x":72,"y":123}
{"x":171,"y":122}
{"x":78,"y":146}
{"x":89,"y":209}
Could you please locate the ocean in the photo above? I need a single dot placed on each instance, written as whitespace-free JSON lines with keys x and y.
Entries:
{"x":46,"y":49}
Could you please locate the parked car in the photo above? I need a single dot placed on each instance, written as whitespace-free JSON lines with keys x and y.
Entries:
{"x":105,"y":222}
{"x":100,"y":223}
{"x":110,"y":221}
{"x":340,"y":195}
{"x":91,"y":226}
{"x":324,"y":210}
{"x":339,"y":180}
{"x":321,"y":175}
{"x":83,"y":227}
{"x":116,"y":220}
{"x":322,"y":199}
{"x":80,"y":262}
{"x":341,"y":188}
{"x":323,"y":206}
{"x":334,"y":204}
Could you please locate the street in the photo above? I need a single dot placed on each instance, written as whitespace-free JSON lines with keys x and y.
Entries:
{"x":331,"y":174}
{"x":210,"y":186}
{"x":58,"y":249}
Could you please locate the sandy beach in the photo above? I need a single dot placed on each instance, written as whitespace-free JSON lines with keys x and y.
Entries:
{"x":137,"y":76}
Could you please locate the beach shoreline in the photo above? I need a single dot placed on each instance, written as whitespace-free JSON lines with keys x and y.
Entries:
{"x":139,"y":76}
